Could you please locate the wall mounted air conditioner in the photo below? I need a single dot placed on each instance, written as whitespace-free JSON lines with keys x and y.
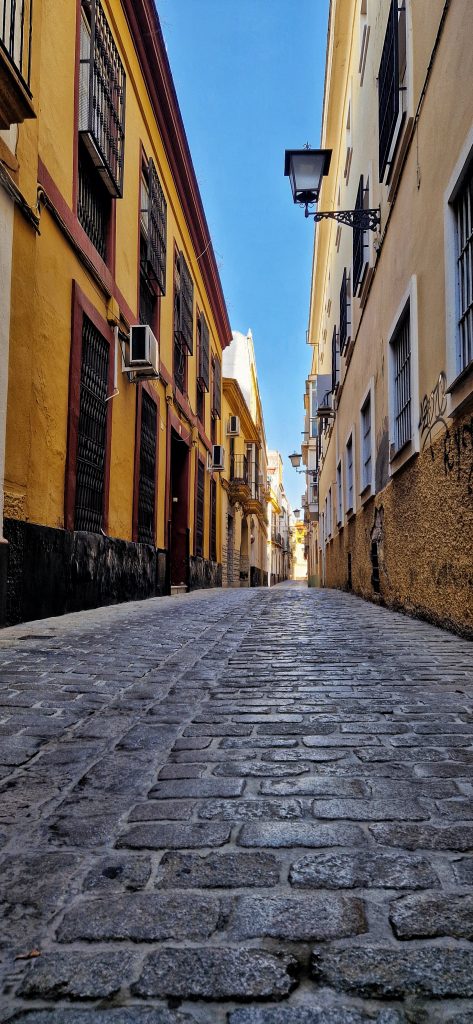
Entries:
{"x":218,"y":457}
{"x":143,"y":352}
{"x":233,"y":426}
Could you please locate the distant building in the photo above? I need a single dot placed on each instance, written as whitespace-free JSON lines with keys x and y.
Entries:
{"x":244,"y":478}
{"x":299,"y":550}
{"x":389,"y":400}
{"x":279,"y":512}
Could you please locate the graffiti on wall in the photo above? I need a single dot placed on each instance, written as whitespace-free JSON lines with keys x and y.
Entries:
{"x":458,"y":453}
{"x":433,"y":410}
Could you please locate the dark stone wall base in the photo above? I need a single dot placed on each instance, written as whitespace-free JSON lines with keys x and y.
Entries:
{"x":4,"y":550}
{"x":204,"y":574}
{"x":52,"y":571}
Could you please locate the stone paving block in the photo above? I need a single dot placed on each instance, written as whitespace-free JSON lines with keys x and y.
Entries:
{"x":144,"y":917}
{"x":197,"y":788}
{"x":77,"y":975}
{"x":256,"y":742}
{"x":216,"y":974}
{"x":388,"y":973}
{"x":306,"y":918}
{"x":182,"y":771}
{"x":254,"y":810}
{"x":192,"y":743}
{"x":174,"y":836}
{"x":218,"y":730}
{"x":428,"y":837}
{"x":162,"y":810}
{"x":219,"y":870}
{"x":463,"y":870}
{"x":457,"y":810}
{"x":310,"y":834}
{"x":133,"y":1015}
{"x":115,"y":874}
{"x":363,"y":869}
{"x":245,"y":768}
{"x":308,"y":754}
{"x":313,"y":1014}
{"x":316,"y":786}
{"x":425,"y":916}
{"x":369,"y":810}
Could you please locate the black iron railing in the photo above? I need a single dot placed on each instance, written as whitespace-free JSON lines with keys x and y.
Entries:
{"x":91,"y":441}
{"x":335,"y":362}
{"x":15,"y":35}
{"x":102,"y":96}
{"x":179,"y":364}
{"x":344,"y":320}
{"x":93,"y":204}
{"x":199,"y":515}
{"x":239,"y":468}
{"x":359,"y":241}
{"x":147,"y":485}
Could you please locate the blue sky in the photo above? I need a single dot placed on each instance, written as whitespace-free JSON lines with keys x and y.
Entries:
{"x":249,"y":78}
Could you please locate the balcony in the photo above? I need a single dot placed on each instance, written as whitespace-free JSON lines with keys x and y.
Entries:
{"x":15,"y":62}
{"x":239,"y":487}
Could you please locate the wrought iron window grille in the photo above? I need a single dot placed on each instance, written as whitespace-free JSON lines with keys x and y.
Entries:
{"x":199,"y":518}
{"x":93,"y":204}
{"x":359,"y":237}
{"x":16,"y":26}
{"x":345,"y":322}
{"x":203,"y":371}
{"x":153,"y":219}
{"x":147,"y":478}
{"x":184,"y":309}
{"x":389,"y":85}
{"x":92,"y":432}
{"x":102,"y":92}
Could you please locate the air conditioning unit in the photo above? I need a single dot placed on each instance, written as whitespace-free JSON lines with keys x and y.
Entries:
{"x":218,"y":456}
{"x":233,"y":426}
{"x":143,"y":358}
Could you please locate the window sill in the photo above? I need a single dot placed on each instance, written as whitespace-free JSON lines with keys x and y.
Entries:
{"x":461,"y":390}
{"x":401,"y":457}
{"x":350,"y":514}
{"x":366,"y":494}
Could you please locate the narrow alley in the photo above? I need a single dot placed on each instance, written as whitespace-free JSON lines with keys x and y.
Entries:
{"x":240,"y":807}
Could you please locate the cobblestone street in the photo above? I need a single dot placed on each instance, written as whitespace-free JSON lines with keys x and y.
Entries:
{"x":240,"y":807}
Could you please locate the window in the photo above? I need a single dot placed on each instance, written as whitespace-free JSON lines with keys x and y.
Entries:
{"x":183,"y":319}
{"x":92,"y":430}
{"x":463,"y":207}
{"x":366,"y":445}
{"x":153,"y":227}
{"x":313,"y":422}
{"x":364,"y":38}
{"x":345,"y":312}
{"x":329,"y":512}
{"x":203,"y":365}
{"x":360,"y":238}
{"x":349,"y":469}
{"x":392,"y":85}
{"x":147,"y":472}
{"x":199,"y":508}
{"x":213,"y":520}
{"x":216,"y":388}
{"x":101,"y":97}
{"x":335,"y":360}
{"x":401,"y":363}
{"x":94,"y":204}
{"x":339,"y":494}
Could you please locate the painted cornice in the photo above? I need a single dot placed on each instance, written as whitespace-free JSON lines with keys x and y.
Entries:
{"x":145,"y":28}
{"x":237,"y":403}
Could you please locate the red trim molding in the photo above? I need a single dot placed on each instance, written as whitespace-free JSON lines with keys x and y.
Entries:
{"x":146,"y":31}
{"x":81,"y":305}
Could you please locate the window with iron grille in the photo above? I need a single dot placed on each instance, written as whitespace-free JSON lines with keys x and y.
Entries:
{"x":92,"y":432}
{"x":391,"y":84}
{"x":93,"y":204}
{"x":199,"y":509}
{"x":339,"y":493}
{"x":102,"y":97}
{"x":216,"y":388}
{"x":464,"y":223}
{"x":360,"y":238}
{"x":344,"y":311}
{"x":203,"y":369}
{"x":15,"y":36}
{"x":366,"y":464}
{"x":401,"y":363}
{"x":148,"y":298}
{"x":147,"y":479}
{"x":335,"y":359}
{"x":213,"y":521}
{"x":349,"y":469}
{"x":184,"y":323}
{"x":153,"y":223}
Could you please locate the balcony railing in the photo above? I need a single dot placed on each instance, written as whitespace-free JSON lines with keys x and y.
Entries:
{"x":15,"y":35}
{"x":239,"y":468}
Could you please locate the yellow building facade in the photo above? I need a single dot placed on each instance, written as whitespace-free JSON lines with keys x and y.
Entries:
{"x":109,"y":486}
{"x":244,"y":477}
{"x":390,"y":394}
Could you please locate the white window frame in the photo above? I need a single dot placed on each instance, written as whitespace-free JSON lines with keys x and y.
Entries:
{"x":350,"y":509}
{"x":364,"y":38}
{"x":329,"y":512}
{"x":367,"y":487}
{"x":459,"y":380}
{"x":398,"y":458}
{"x":340,"y":493}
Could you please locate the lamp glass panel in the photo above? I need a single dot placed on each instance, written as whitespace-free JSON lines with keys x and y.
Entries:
{"x":306,"y":171}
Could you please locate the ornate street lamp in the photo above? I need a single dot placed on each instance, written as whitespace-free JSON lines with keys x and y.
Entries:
{"x":305,"y":169}
{"x":296,"y":512}
{"x":295,"y":460}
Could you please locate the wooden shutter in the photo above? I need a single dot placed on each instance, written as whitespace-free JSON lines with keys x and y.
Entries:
{"x":186,"y":305}
{"x":157,"y":225}
{"x":217,"y":389}
{"x":204,"y":354}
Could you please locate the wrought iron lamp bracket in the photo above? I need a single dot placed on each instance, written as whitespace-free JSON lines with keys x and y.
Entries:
{"x":360,"y":220}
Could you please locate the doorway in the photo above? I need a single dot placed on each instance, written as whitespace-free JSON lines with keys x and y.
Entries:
{"x":230,"y":542}
{"x":178,"y":540}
